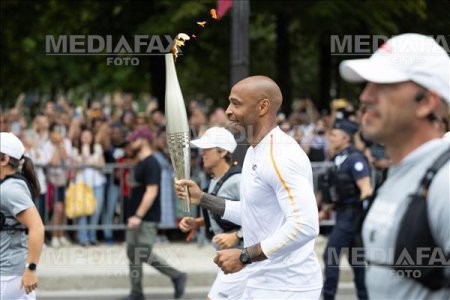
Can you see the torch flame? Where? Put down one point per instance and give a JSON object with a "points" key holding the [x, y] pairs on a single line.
{"points": [[201, 24], [213, 13], [180, 39]]}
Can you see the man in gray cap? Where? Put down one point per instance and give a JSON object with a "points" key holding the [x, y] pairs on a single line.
{"points": [[408, 84]]}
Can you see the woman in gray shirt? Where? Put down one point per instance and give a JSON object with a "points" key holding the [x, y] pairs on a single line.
{"points": [[19, 217]]}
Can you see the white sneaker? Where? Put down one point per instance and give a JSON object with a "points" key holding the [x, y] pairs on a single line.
{"points": [[64, 241], [55, 243]]}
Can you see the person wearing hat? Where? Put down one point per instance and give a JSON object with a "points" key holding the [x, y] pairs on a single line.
{"points": [[406, 233], [277, 208], [349, 184], [217, 146], [143, 213], [19, 253]]}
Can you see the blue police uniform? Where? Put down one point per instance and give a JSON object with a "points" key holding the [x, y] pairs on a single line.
{"points": [[350, 166]]}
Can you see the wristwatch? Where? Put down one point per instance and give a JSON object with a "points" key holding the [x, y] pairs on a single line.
{"points": [[244, 257], [31, 266]]}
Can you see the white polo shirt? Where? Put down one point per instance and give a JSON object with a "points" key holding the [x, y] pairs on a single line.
{"points": [[278, 209]]}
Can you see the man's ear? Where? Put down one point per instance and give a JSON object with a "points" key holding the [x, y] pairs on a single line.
{"points": [[264, 106], [223, 153], [427, 105]]}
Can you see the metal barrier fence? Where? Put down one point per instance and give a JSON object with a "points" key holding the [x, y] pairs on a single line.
{"points": [[58, 181], [110, 212]]}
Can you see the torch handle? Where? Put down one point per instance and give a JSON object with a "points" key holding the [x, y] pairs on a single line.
{"points": [[186, 201]]}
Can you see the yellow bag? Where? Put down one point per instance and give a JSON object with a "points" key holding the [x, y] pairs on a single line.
{"points": [[80, 200]]}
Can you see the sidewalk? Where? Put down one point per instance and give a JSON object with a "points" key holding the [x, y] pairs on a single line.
{"points": [[107, 266], [102, 267]]}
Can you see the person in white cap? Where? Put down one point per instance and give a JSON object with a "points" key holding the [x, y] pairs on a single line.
{"points": [[278, 210], [408, 86], [217, 145], [19, 256]]}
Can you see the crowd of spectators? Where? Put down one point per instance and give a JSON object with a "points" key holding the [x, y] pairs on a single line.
{"points": [[89, 142]]}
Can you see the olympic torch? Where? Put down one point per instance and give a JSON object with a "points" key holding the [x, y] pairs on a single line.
{"points": [[177, 127]]}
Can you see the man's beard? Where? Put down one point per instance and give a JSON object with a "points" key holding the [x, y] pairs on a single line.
{"points": [[239, 132], [135, 152]]}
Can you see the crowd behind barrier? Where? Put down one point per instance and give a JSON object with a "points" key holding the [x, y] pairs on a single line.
{"points": [[80, 195], [85, 150]]}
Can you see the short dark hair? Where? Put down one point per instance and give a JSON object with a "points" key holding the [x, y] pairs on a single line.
{"points": [[53, 127], [28, 172], [227, 157]]}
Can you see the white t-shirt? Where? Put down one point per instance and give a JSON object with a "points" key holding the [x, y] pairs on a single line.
{"points": [[91, 176], [279, 210]]}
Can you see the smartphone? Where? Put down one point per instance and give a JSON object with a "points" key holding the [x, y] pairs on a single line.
{"points": [[16, 128]]}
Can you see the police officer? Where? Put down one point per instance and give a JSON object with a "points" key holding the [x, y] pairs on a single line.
{"points": [[349, 183]]}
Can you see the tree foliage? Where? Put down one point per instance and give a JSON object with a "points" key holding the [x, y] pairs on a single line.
{"points": [[204, 67]]}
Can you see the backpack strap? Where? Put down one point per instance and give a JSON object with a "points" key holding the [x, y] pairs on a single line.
{"points": [[16, 227], [415, 232], [224, 224], [425, 183], [20, 177], [231, 171]]}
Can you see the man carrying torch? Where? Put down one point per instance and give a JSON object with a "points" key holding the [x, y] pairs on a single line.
{"points": [[277, 211]]}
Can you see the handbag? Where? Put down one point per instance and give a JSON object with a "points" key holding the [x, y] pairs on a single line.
{"points": [[80, 200]]}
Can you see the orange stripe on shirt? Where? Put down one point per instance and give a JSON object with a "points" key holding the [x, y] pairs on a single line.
{"points": [[291, 198]]}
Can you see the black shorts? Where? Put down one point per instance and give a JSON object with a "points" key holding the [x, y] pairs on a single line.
{"points": [[60, 193], [56, 193]]}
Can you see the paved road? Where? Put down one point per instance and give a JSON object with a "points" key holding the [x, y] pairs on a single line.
{"points": [[346, 292]]}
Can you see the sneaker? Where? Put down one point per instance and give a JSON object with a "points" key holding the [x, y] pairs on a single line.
{"points": [[55, 243], [179, 284], [162, 239], [134, 296], [64, 241]]}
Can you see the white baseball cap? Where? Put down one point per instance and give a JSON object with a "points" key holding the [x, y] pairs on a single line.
{"points": [[216, 137], [406, 57], [11, 145]]}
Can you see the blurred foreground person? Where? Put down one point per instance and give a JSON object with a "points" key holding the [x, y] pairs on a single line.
{"points": [[406, 233], [21, 228]]}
